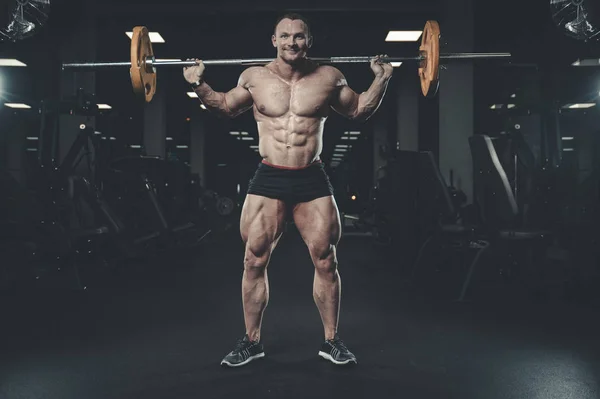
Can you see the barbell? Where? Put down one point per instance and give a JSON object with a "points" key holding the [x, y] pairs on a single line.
{"points": [[143, 64]]}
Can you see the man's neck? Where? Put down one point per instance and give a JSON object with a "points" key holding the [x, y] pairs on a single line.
{"points": [[292, 72]]}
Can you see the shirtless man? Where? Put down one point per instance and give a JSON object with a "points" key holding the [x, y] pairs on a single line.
{"points": [[291, 99]]}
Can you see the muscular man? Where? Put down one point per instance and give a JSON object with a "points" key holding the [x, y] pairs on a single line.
{"points": [[291, 99]]}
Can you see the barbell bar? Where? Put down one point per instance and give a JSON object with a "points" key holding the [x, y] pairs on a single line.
{"points": [[143, 64], [151, 61]]}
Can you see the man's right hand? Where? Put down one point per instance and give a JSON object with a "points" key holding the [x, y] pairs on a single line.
{"points": [[194, 74]]}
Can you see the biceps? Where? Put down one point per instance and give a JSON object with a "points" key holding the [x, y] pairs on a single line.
{"points": [[238, 100], [346, 102]]}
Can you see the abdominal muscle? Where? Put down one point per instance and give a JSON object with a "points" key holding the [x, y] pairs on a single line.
{"points": [[290, 140]]}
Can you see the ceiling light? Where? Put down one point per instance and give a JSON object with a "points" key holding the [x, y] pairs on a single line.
{"points": [[568, 138], [587, 62], [17, 105], [579, 105], [11, 62], [104, 106], [568, 149], [403, 35], [155, 37], [234, 133]]}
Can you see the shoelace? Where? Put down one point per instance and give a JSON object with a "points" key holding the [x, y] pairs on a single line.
{"points": [[339, 344], [241, 344]]}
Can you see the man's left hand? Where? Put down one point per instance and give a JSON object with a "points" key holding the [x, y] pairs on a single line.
{"points": [[380, 68]]}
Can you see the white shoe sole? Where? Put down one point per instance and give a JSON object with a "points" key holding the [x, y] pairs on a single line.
{"points": [[327, 356], [226, 363]]}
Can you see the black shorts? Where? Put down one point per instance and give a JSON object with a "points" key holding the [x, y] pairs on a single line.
{"points": [[291, 185]]}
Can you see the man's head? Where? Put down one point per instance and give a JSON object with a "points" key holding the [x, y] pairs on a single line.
{"points": [[292, 37]]}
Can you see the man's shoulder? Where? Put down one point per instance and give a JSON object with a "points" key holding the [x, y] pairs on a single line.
{"points": [[253, 71], [333, 73], [249, 74], [329, 70]]}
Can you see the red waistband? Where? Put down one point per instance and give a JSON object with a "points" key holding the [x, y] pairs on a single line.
{"points": [[291, 167]]}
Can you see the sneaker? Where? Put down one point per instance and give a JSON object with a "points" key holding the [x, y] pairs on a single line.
{"points": [[245, 351], [336, 352]]}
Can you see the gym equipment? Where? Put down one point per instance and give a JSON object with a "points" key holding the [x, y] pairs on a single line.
{"points": [[579, 19], [143, 64], [501, 218], [23, 18], [449, 245]]}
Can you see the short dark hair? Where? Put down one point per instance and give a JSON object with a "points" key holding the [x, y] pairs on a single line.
{"points": [[293, 16]]}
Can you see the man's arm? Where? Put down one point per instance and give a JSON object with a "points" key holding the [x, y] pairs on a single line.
{"points": [[362, 106], [231, 104]]}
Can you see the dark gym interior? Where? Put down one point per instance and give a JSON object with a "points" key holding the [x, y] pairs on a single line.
{"points": [[469, 255]]}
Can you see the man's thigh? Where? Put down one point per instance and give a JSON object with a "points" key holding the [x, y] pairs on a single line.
{"points": [[318, 221]]}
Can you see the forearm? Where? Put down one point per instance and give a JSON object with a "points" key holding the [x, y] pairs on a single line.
{"points": [[214, 101], [369, 101]]}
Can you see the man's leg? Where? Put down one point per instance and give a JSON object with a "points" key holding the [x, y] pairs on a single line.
{"points": [[261, 226], [318, 222]]}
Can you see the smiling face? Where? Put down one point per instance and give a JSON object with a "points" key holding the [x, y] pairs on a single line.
{"points": [[292, 40]]}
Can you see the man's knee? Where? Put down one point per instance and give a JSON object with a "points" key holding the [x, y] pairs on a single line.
{"points": [[324, 258], [256, 256]]}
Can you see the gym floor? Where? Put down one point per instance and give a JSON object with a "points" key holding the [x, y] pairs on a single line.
{"points": [[159, 330]]}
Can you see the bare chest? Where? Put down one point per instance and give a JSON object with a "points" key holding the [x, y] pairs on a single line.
{"points": [[309, 96]]}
